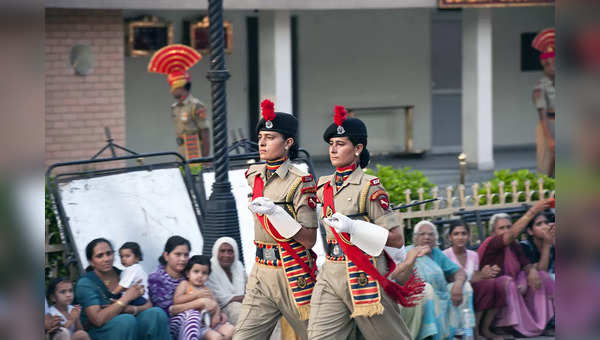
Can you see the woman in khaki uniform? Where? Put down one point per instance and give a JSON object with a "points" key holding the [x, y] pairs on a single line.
{"points": [[352, 286], [285, 223]]}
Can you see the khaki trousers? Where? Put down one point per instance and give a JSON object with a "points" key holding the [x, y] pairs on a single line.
{"points": [[331, 307]]}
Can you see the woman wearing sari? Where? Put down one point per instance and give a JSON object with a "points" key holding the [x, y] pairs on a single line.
{"points": [[108, 316], [488, 290], [443, 309], [529, 293]]}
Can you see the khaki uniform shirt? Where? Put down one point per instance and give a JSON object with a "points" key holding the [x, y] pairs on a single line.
{"points": [[347, 199], [544, 94], [186, 116], [277, 187], [347, 202]]}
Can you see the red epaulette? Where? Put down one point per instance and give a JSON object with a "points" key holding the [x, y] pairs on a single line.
{"points": [[309, 190], [307, 179], [375, 181], [312, 201]]}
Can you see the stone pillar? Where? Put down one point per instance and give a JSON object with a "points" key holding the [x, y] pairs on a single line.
{"points": [[477, 138]]}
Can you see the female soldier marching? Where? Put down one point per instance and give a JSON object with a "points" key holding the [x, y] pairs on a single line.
{"points": [[352, 286], [283, 202]]}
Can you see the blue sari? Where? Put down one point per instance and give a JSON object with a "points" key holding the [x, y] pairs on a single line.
{"points": [[149, 324], [441, 319]]}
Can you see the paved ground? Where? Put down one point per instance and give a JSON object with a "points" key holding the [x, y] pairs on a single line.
{"points": [[443, 169]]}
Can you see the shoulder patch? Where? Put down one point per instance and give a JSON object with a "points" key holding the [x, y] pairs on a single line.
{"points": [[307, 179], [375, 181], [382, 198]]}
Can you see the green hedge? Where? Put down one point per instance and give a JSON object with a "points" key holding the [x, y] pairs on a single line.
{"points": [[396, 181], [508, 176]]}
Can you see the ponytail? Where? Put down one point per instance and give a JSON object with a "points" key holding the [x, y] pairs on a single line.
{"points": [[292, 153], [365, 156]]}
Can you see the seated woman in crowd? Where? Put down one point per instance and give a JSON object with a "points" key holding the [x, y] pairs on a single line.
{"points": [[405, 262], [108, 316], [529, 293], [228, 278], [539, 246], [185, 320], [452, 292], [488, 291]]}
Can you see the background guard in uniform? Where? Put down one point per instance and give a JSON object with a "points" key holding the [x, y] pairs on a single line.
{"points": [[188, 112], [544, 95], [285, 224], [352, 286]]}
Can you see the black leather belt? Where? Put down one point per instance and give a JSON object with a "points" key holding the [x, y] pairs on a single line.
{"points": [[551, 115], [268, 254]]}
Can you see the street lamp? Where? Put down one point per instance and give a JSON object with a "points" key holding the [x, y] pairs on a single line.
{"points": [[220, 217]]}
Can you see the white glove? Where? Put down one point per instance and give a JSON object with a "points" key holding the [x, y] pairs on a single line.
{"points": [[285, 224], [369, 237], [341, 223], [397, 254], [262, 206]]}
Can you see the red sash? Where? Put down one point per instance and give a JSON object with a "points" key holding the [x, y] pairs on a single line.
{"points": [[257, 191], [406, 295]]}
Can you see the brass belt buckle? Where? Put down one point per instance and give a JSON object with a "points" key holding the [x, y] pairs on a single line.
{"points": [[269, 254]]}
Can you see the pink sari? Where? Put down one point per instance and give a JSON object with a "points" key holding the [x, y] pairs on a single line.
{"points": [[528, 311]]}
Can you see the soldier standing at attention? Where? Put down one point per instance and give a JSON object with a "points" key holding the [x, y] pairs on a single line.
{"points": [[544, 95], [285, 225], [188, 112], [352, 286]]}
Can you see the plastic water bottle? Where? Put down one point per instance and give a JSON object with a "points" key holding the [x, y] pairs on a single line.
{"points": [[467, 331], [206, 319]]}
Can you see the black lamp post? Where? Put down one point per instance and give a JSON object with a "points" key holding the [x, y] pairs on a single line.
{"points": [[221, 214]]}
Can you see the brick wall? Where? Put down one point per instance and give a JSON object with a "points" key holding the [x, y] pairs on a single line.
{"points": [[79, 107]]}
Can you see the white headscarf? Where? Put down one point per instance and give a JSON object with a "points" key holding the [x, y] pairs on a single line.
{"points": [[218, 280]]}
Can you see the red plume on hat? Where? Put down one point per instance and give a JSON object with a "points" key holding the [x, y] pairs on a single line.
{"points": [[339, 115], [268, 110]]}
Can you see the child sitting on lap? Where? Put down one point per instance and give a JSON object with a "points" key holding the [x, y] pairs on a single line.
{"points": [[196, 272], [131, 255]]}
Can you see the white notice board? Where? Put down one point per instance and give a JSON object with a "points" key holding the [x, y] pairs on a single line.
{"points": [[143, 206]]}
